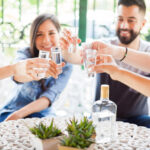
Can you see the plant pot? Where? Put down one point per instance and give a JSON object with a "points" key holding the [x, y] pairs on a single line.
{"points": [[60, 147], [47, 144], [93, 136], [50, 144]]}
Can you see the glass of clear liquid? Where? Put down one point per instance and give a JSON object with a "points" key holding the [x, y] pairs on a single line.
{"points": [[89, 60], [56, 56], [73, 46], [43, 54], [71, 33]]}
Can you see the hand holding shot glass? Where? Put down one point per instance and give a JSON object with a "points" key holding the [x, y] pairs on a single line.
{"points": [[105, 63], [71, 41], [89, 58], [50, 70]]}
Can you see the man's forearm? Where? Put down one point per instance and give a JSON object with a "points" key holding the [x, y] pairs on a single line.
{"points": [[134, 58], [133, 80]]}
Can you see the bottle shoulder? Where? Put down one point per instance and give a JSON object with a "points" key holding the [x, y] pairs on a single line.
{"points": [[105, 101], [102, 105]]}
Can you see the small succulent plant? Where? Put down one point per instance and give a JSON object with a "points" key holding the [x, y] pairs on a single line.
{"points": [[85, 127], [79, 134], [45, 132], [76, 141]]}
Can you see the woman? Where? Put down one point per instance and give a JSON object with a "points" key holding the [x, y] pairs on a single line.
{"points": [[34, 97]]}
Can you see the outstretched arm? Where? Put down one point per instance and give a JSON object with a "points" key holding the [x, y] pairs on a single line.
{"points": [[135, 58], [7, 71], [105, 63], [28, 69], [66, 40], [35, 106]]}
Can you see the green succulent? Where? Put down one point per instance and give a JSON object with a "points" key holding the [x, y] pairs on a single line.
{"points": [[85, 127], [76, 141], [79, 134], [72, 126], [45, 132]]}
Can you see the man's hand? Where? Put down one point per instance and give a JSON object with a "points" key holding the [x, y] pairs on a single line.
{"points": [[105, 63]]}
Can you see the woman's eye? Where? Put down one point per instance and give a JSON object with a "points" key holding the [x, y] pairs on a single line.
{"points": [[51, 33], [39, 35], [120, 19]]}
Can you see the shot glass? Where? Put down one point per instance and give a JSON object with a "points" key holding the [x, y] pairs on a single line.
{"points": [[73, 47], [89, 60], [73, 34], [57, 57], [42, 54]]}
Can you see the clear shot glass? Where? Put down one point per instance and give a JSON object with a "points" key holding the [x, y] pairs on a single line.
{"points": [[43, 54], [56, 56], [73, 47], [89, 60]]}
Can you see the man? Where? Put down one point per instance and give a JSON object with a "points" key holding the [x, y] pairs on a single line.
{"points": [[132, 106]]}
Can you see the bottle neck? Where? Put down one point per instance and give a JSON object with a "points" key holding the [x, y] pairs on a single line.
{"points": [[105, 92], [106, 99]]}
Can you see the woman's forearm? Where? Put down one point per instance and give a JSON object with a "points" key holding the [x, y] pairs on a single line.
{"points": [[22, 78], [133, 80], [73, 58], [36, 106], [6, 71]]}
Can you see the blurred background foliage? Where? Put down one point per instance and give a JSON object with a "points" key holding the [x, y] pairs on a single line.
{"points": [[15, 19], [17, 15]]}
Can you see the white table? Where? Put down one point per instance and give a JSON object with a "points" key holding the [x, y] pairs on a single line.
{"points": [[15, 135]]}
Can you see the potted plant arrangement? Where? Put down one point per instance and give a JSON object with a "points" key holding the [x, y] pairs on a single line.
{"points": [[79, 135], [49, 135]]}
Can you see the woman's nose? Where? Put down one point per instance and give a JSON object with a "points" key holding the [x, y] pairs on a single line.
{"points": [[46, 39]]}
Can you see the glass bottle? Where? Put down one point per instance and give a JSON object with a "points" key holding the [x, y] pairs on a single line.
{"points": [[104, 117]]}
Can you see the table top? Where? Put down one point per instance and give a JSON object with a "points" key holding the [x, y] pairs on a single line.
{"points": [[16, 135]]}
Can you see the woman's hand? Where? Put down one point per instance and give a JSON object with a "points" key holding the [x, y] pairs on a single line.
{"points": [[33, 107], [28, 70], [46, 67], [66, 39], [13, 116]]}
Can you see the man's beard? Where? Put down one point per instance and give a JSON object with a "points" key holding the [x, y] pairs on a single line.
{"points": [[126, 40]]}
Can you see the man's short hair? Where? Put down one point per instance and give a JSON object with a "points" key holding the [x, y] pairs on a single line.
{"points": [[139, 3]]}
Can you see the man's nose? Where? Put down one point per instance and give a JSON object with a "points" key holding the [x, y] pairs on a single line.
{"points": [[124, 25]]}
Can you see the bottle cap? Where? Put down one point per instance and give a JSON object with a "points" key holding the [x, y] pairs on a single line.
{"points": [[105, 91]]}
